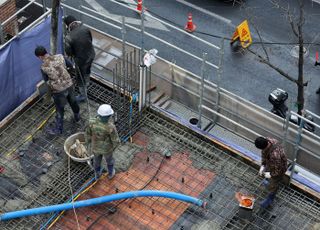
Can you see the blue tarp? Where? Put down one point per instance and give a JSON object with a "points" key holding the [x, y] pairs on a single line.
{"points": [[20, 68]]}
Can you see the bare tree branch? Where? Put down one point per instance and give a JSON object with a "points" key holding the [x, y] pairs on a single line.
{"points": [[267, 62], [250, 17], [288, 13]]}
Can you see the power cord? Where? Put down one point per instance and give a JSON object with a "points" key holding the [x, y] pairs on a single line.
{"points": [[122, 201], [71, 191]]}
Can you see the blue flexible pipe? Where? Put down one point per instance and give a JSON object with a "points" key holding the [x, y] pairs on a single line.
{"points": [[101, 200], [70, 200]]}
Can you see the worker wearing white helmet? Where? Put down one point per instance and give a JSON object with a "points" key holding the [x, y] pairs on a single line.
{"points": [[102, 135]]}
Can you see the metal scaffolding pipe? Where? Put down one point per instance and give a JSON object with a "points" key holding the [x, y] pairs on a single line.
{"points": [[101, 200]]}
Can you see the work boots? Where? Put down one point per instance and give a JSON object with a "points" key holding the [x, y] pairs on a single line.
{"points": [[268, 201], [97, 173], [111, 172], [82, 94], [76, 117], [265, 182], [58, 128]]}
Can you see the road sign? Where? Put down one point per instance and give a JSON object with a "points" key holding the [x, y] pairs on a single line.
{"points": [[243, 34]]}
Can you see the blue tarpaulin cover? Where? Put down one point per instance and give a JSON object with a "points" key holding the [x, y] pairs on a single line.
{"points": [[20, 68]]}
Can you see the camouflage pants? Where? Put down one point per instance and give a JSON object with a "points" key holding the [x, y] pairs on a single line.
{"points": [[274, 183], [98, 159]]}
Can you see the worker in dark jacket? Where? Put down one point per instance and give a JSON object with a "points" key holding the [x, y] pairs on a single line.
{"points": [[273, 166], [55, 74], [102, 138], [78, 44]]}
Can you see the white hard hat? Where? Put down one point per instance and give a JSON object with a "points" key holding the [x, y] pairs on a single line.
{"points": [[105, 110]]}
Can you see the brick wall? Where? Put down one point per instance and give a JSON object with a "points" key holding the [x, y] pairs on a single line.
{"points": [[8, 8]]}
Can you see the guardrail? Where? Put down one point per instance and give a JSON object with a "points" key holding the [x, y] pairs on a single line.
{"points": [[14, 17], [223, 108]]}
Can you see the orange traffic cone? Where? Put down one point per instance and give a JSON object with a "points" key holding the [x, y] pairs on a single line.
{"points": [[139, 6], [190, 27]]}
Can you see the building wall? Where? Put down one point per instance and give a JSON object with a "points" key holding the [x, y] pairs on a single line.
{"points": [[8, 8]]}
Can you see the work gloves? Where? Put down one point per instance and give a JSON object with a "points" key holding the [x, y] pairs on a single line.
{"points": [[267, 175], [263, 173]]}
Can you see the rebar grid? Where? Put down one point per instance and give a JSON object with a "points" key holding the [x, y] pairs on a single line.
{"points": [[222, 212], [240, 176], [14, 134], [34, 180]]}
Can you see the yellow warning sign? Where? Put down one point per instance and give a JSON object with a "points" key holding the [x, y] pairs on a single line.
{"points": [[243, 34]]}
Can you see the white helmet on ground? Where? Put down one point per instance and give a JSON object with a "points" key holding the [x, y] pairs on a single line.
{"points": [[105, 110]]}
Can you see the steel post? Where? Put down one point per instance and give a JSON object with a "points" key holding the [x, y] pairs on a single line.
{"points": [[296, 149], [1, 34], [219, 80], [44, 6], [123, 35], [201, 89], [142, 87], [142, 74], [286, 128]]}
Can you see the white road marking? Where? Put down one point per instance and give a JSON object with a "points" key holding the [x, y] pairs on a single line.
{"points": [[316, 1], [174, 27], [217, 16], [151, 23]]}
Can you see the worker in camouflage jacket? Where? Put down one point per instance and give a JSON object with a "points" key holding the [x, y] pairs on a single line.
{"points": [[102, 138], [78, 45], [60, 85], [273, 166]]}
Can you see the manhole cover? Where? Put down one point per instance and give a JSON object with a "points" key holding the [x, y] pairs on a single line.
{"points": [[295, 51]]}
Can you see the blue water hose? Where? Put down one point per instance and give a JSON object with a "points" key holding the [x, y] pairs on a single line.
{"points": [[101, 200], [70, 200]]}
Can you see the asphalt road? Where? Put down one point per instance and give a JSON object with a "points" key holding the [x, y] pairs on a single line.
{"points": [[242, 74]]}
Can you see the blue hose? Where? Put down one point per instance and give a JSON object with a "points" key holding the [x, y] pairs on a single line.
{"points": [[70, 200], [101, 200]]}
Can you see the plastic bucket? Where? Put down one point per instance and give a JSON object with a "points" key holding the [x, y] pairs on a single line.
{"points": [[70, 141]]}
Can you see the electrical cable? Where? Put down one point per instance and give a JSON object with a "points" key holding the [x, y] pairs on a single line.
{"points": [[84, 84], [71, 191], [122, 201]]}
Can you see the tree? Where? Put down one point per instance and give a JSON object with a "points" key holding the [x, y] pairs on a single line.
{"points": [[54, 26], [296, 24]]}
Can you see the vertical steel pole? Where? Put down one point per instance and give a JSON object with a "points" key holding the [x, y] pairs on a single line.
{"points": [[217, 105], [123, 33], [286, 128], [201, 89], [1, 35], [142, 85], [296, 149], [80, 9], [44, 6]]}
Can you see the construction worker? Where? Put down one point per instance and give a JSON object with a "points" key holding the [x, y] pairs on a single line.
{"points": [[60, 85], [273, 166], [102, 138], [78, 45]]}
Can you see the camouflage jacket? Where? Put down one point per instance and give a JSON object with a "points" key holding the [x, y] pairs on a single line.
{"points": [[55, 73], [274, 158], [103, 137]]}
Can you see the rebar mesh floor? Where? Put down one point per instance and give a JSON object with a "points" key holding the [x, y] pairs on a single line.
{"points": [[196, 168], [36, 174], [34, 170]]}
